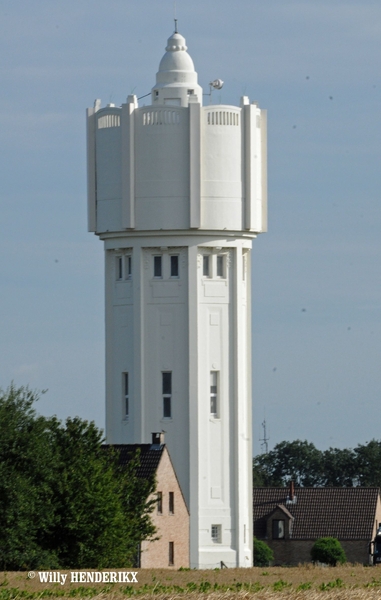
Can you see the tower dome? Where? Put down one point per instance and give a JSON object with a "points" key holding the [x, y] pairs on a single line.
{"points": [[176, 79]]}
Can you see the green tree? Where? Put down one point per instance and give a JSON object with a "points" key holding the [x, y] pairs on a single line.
{"points": [[368, 464], [339, 468], [263, 555], [64, 502], [27, 464], [103, 525], [328, 550], [299, 461]]}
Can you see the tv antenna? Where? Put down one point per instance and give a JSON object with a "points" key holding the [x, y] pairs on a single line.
{"points": [[265, 439]]}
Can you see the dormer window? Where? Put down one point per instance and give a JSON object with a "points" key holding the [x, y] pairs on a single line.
{"points": [[278, 529], [156, 93]]}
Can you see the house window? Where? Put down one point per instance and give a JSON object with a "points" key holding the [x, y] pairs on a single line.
{"points": [[205, 266], [126, 396], [216, 534], [175, 265], [128, 267], [214, 393], [167, 394], [157, 266], [278, 529], [220, 266], [159, 503], [171, 503], [171, 553]]}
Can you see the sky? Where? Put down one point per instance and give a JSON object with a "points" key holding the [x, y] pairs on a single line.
{"points": [[315, 66]]}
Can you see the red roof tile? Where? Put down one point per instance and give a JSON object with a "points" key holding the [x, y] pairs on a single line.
{"points": [[344, 513]]}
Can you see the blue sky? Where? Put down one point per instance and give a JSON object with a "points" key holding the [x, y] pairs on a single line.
{"points": [[315, 65]]}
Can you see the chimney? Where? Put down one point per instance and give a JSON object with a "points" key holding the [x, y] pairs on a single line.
{"points": [[158, 438], [292, 491]]}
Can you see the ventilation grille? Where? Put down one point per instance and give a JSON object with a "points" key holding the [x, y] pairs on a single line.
{"points": [[222, 117], [108, 121], [161, 117]]}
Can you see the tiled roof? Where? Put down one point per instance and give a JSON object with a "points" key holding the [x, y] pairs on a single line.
{"points": [[150, 456], [344, 513]]}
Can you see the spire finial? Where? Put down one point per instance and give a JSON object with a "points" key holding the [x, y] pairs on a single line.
{"points": [[176, 26]]}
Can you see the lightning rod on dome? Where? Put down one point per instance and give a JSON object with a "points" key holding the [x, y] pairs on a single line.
{"points": [[175, 14]]}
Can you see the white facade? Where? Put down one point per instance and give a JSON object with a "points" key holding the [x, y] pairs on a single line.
{"points": [[177, 192]]}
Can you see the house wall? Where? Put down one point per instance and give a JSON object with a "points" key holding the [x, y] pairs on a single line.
{"points": [[170, 527], [377, 517]]}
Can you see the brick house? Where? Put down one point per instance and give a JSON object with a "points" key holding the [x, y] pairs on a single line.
{"points": [[170, 516], [291, 519]]}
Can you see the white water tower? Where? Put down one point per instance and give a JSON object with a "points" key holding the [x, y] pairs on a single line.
{"points": [[177, 193]]}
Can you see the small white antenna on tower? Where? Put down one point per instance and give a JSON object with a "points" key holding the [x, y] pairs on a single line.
{"points": [[265, 439]]}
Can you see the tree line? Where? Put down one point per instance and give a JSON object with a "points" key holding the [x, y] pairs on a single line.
{"points": [[64, 501], [301, 462]]}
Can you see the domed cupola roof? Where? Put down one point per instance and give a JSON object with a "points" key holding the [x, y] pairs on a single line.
{"points": [[176, 58], [176, 77]]}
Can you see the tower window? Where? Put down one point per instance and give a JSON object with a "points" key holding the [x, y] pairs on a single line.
{"points": [[171, 503], [128, 267], [167, 394], [175, 265], [126, 396], [119, 268], [216, 533], [157, 266], [159, 503], [214, 393], [171, 553], [220, 266], [205, 266]]}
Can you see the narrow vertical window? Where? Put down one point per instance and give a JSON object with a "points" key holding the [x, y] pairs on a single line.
{"points": [[157, 266], [216, 534], [171, 553], [205, 266], [167, 394], [159, 503], [171, 503], [214, 393], [128, 267], [119, 267], [126, 396], [174, 266], [220, 266]]}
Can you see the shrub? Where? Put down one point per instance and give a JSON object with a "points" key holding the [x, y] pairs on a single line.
{"points": [[263, 554], [328, 550]]}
